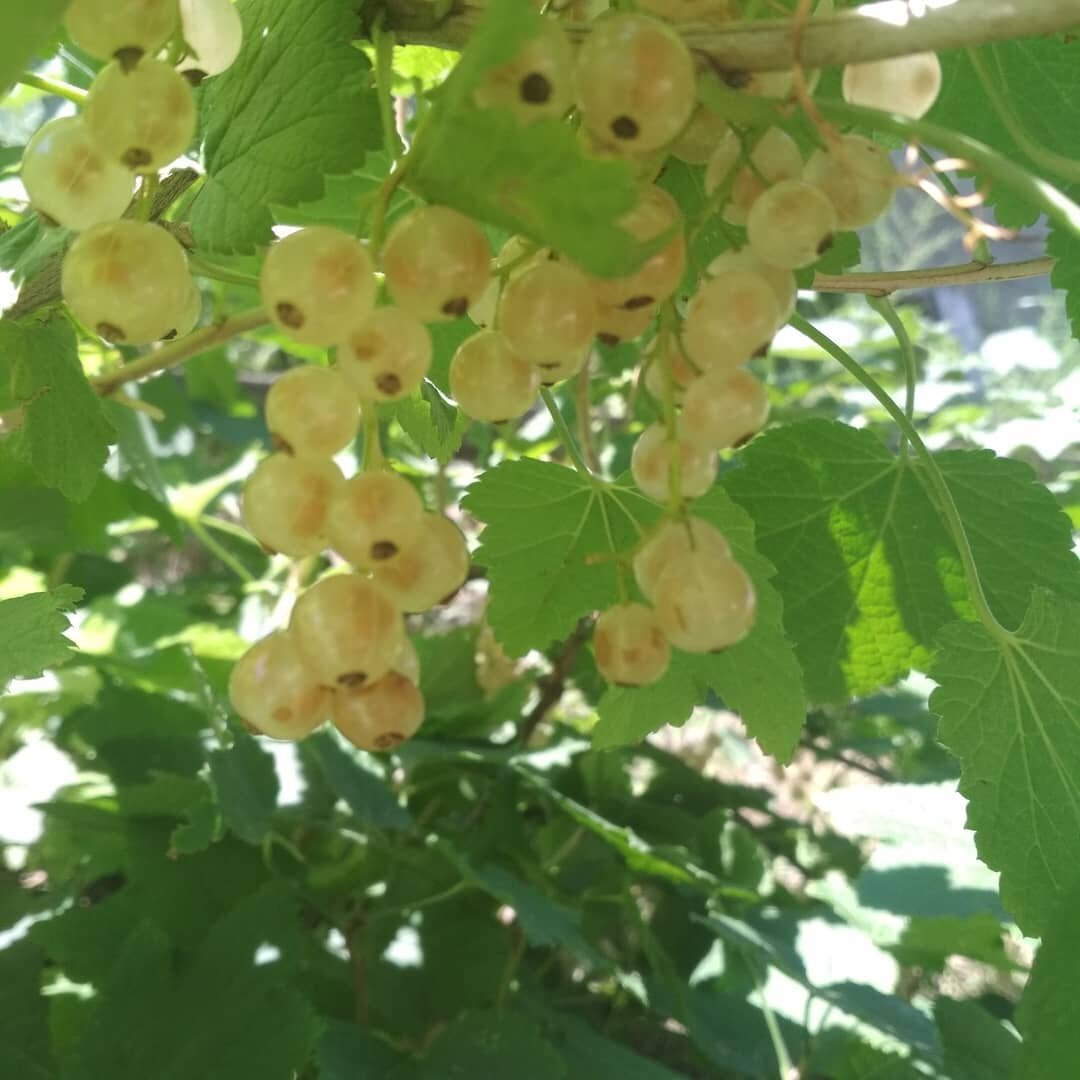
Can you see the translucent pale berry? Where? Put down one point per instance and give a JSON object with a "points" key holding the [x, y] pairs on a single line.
{"points": [[705, 603], [317, 284], [724, 409], [699, 139], [730, 317], [857, 176], [636, 82], [273, 690], [127, 280], [791, 225], [549, 314], [374, 518], [407, 662], [908, 85], [672, 541], [128, 28], [141, 117], [429, 572], [348, 629], [286, 500], [782, 281], [313, 411], [655, 215], [379, 716], [682, 371], [490, 380], [776, 157], [214, 33], [514, 258], [537, 83], [437, 263], [650, 464], [387, 356], [630, 647], [617, 324], [556, 372], [189, 317], [494, 669], [69, 180]]}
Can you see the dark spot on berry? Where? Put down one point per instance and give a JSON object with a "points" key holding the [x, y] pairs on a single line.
{"points": [[278, 443], [825, 244], [738, 444], [637, 302], [383, 549], [449, 596], [737, 80], [608, 339], [351, 680], [289, 314], [267, 550], [128, 57], [506, 421], [456, 307], [388, 740], [388, 383], [718, 652], [169, 336], [762, 350], [110, 332], [194, 76], [625, 127], [536, 88], [48, 222], [137, 157]]}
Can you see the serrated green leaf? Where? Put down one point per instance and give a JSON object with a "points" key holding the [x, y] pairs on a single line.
{"points": [[1009, 711], [65, 435], [345, 1047], [977, 1046], [351, 778], [534, 179], [484, 1044], [24, 30], [32, 632], [928, 942], [297, 105], [436, 425], [759, 678], [246, 784], [866, 569]]}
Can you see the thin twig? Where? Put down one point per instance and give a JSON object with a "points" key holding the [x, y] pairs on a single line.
{"points": [[551, 687], [973, 273]]}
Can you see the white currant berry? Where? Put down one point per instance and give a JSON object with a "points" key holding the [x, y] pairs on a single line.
{"points": [[272, 689], [515, 257], [724, 409], [672, 541], [636, 82], [775, 157], [782, 281], [650, 465], [387, 356], [69, 180], [429, 572], [407, 662], [702, 135], [437, 263], [313, 411], [141, 117], [188, 319], [704, 603], [549, 314], [683, 372], [908, 85], [127, 280], [791, 225], [381, 715], [374, 517], [554, 372], [317, 284], [286, 502], [616, 325], [691, 10], [730, 318], [123, 29], [857, 176], [348, 629], [214, 33], [490, 380], [630, 646], [537, 83]]}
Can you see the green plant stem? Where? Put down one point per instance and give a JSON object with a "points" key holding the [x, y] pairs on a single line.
{"points": [[973, 273], [776, 1036], [53, 86], [220, 552], [227, 528], [377, 230], [373, 452], [883, 306], [169, 356], [947, 505], [205, 268], [669, 319], [566, 436], [383, 40], [144, 200]]}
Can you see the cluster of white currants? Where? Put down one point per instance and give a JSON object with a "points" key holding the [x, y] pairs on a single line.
{"points": [[127, 279]]}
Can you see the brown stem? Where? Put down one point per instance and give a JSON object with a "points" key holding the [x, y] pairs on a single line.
{"points": [[974, 273], [551, 686]]}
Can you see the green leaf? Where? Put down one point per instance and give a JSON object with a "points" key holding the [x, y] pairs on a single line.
{"points": [[866, 569], [1009, 710], [24, 1015], [759, 678], [346, 1048], [297, 105], [24, 30], [65, 435], [484, 1044], [352, 777], [436, 425], [246, 784], [928, 942], [534, 180], [977, 1046], [32, 632]]}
